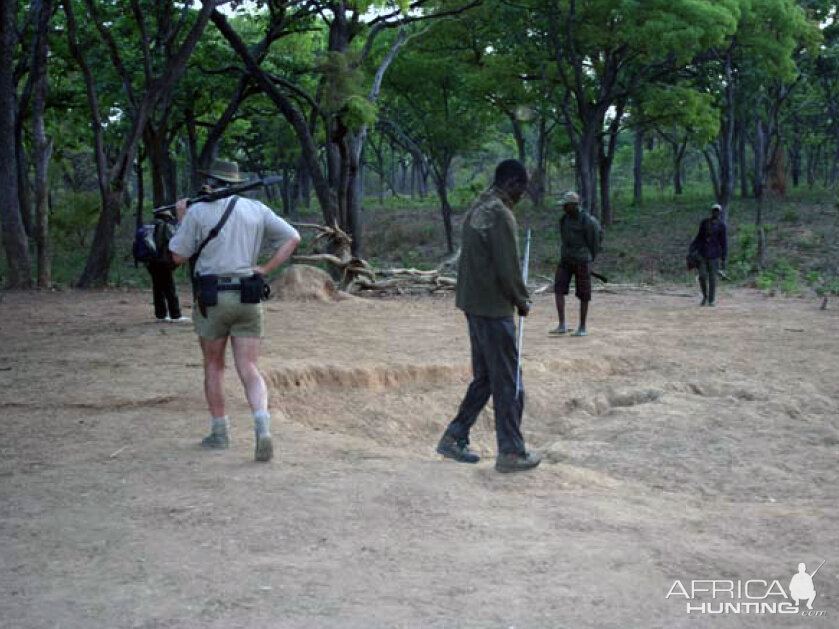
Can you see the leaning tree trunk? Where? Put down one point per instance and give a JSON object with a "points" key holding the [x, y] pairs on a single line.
{"points": [[101, 250], [441, 181]]}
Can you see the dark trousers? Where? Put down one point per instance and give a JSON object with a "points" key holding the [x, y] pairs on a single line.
{"points": [[493, 373], [708, 269], [165, 292]]}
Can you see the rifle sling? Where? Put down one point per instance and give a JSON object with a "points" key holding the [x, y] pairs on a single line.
{"points": [[193, 259]]}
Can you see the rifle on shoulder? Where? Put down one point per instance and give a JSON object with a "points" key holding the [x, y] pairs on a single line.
{"points": [[223, 193]]}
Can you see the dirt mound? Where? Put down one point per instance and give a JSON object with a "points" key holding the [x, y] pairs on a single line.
{"points": [[301, 282]]}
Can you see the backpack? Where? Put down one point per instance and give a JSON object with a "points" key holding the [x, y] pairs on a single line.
{"points": [[164, 229], [151, 242], [144, 248]]}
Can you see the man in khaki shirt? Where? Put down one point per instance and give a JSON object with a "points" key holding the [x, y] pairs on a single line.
{"points": [[226, 260]]}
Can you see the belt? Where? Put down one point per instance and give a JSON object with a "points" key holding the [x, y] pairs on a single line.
{"points": [[228, 283]]}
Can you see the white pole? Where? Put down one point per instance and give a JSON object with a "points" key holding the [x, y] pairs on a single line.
{"points": [[524, 270]]}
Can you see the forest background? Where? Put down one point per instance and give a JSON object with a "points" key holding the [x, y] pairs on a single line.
{"points": [[387, 118]]}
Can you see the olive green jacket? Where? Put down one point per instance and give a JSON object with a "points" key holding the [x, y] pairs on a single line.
{"points": [[489, 282], [580, 237]]}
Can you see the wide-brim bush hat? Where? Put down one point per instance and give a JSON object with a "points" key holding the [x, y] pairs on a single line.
{"points": [[224, 171]]}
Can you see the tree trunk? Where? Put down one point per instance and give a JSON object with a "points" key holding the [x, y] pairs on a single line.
{"points": [[587, 169], [42, 145], [518, 136], [43, 152], [813, 159], [678, 159], [138, 167], [14, 237], [112, 179], [638, 167], [759, 178], [537, 187], [24, 199], [607, 149], [726, 155], [742, 163], [712, 172], [308, 149], [355, 190], [441, 180], [795, 153]]}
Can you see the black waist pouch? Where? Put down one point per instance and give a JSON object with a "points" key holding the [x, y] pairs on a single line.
{"points": [[254, 289], [208, 290]]}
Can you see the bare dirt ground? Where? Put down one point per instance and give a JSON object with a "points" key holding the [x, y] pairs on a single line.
{"points": [[680, 443]]}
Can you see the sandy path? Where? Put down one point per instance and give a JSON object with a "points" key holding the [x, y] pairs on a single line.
{"points": [[681, 443]]}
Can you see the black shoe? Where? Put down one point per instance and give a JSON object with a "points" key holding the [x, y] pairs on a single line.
{"points": [[457, 449], [517, 462]]}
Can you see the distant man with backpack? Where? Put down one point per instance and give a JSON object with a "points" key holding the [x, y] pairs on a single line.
{"points": [[580, 240], [490, 290], [167, 307], [228, 290], [711, 245]]}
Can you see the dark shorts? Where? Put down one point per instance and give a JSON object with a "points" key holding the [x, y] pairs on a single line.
{"points": [[582, 279]]}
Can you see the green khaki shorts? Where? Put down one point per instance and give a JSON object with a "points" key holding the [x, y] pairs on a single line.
{"points": [[229, 318]]}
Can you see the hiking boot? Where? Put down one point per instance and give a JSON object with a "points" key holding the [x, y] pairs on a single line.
{"points": [[517, 462], [457, 450], [264, 449], [216, 441]]}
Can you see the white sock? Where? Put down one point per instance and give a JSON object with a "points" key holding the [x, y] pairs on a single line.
{"points": [[220, 425], [262, 423]]}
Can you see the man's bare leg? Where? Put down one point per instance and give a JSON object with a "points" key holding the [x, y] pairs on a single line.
{"points": [[246, 355], [583, 314], [213, 351], [559, 298]]}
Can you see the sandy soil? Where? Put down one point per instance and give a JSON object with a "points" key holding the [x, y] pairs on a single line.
{"points": [[680, 443]]}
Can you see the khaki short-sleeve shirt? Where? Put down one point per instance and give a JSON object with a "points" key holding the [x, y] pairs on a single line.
{"points": [[235, 250]]}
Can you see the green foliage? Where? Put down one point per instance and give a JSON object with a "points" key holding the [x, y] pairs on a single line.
{"points": [[358, 112], [781, 276], [74, 216]]}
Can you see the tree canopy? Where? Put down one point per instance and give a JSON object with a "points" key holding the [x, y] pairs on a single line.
{"points": [[131, 100]]}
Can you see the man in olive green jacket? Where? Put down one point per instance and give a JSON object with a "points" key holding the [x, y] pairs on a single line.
{"points": [[490, 291], [580, 235]]}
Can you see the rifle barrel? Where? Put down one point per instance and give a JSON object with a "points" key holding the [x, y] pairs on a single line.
{"points": [[223, 192], [817, 569]]}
